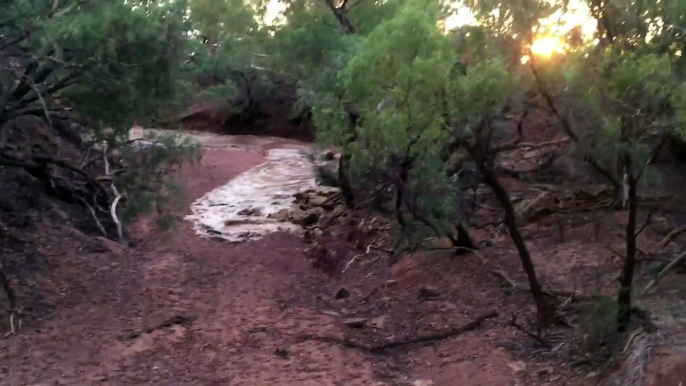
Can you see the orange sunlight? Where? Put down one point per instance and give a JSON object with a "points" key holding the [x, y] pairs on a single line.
{"points": [[547, 46]]}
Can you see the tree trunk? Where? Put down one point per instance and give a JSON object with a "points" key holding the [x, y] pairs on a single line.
{"points": [[627, 277], [341, 14], [463, 240], [543, 308], [344, 180]]}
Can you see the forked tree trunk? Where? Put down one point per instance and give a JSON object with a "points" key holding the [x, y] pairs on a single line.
{"points": [[542, 305]]}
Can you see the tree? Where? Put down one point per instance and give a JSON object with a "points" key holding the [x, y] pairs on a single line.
{"points": [[90, 70], [410, 62], [629, 87]]}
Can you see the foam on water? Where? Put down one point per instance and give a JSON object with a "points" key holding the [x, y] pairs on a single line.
{"points": [[255, 194]]}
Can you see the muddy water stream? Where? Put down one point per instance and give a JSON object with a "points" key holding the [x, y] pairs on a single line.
{"points": [[240, 209]]}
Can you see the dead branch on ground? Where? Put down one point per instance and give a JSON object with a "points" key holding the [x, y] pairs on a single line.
{"points": [[423, 340], [677, 260], [671, 236]]}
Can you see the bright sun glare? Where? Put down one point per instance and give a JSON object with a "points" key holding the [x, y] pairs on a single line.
{"points": [[546, 46]]}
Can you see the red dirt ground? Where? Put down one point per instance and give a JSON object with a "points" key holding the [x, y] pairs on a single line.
{"points": [[240, 309], [243, 298]]}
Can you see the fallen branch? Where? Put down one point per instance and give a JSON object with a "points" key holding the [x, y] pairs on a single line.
{"points": [[396, 344], [672, 235], [677, 260], [351, 262], [502, 275]]}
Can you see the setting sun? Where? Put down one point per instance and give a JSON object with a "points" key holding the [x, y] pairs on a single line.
{"points": [[547, 46]]}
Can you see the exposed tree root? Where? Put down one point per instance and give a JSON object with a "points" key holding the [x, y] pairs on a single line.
{"points": [[426, 339], [117, 197]]}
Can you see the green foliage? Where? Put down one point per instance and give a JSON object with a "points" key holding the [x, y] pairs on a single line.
{"points": [[126, 57], [109, 64], [147, 182], [598, 321]]}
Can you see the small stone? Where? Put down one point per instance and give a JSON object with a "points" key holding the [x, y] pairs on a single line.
{"points": [[342, 294], [355, 322], [545, 371], [517, 366], [378, 322], [319, 201], [281, 353], [429, 292], [280, 216], [250, 212], [391, 283], [257, 329], [306, 218], [326, 191], [338, 210]]}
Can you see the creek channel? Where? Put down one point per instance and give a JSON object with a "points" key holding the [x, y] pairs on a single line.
{"points": [[241, 209]]}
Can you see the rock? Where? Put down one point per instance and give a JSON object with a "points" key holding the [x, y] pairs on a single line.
{"points": [[331, 313], [593, 194], [545, 371], [531, 210], [342, 294], [301, 197], [281, 353], [378, 322], [355, 322], [319, 201], [256, 329], [391, 283], [429, 292], [307, 218], [661, 226], [517, 366], [326, 191], [250, 212], [338, 210], [281, 216]]}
